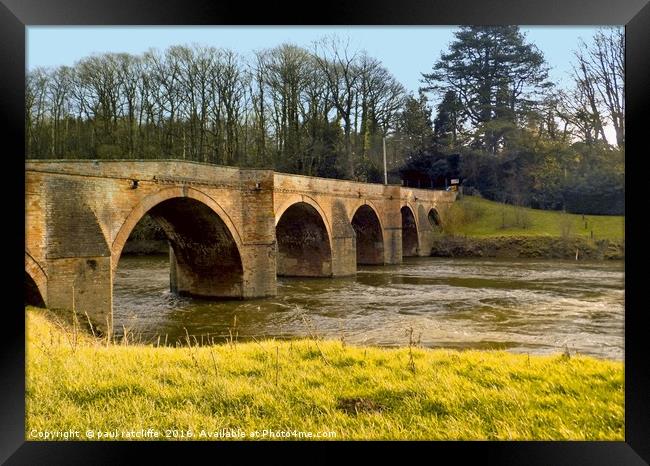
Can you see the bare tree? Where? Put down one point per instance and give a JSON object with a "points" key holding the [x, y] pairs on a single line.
{"points": [[286, 78], [381, 98], [602, 64], [258, 72], [338, 65], [35, 110], [598, 97]]}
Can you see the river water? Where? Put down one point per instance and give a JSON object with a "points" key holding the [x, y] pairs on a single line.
{"points": [[533, 306]]}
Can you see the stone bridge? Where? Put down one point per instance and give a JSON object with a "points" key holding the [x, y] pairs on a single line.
{"points": [[231, 231]]}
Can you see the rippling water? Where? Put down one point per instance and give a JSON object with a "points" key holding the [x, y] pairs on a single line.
{"points": [[536, 306]]}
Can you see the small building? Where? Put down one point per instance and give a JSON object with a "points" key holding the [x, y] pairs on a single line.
{"points": [[431, 171]]}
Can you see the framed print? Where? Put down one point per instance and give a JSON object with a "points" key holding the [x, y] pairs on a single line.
{"points": [[393, 227]]}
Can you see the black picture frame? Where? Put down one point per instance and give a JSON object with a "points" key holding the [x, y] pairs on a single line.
{"points": [[16, 15]]}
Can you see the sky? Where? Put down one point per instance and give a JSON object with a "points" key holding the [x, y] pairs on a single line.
{"points": [[406, 51]]}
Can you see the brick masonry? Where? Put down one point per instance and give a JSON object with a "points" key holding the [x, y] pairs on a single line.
{"points": [[231, 230]]}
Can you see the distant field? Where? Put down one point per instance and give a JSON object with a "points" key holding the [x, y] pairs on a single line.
{"points": [[482, 217], [77, 382]]}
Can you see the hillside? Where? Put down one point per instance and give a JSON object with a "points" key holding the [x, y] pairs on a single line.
{"points": [[477, 217]]}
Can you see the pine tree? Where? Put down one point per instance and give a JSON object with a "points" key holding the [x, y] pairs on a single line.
{"points": [[495, 75], [414, 124], [448, 122]]}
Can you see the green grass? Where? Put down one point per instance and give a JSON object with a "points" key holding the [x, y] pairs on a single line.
{"points": [[77, 382], [484, 218]]}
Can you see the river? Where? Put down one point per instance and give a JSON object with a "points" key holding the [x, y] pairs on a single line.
{"points": [[524, 306]]}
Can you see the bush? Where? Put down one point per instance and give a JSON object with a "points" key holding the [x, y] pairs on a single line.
{"points": [[598, 199], [459, 214]]}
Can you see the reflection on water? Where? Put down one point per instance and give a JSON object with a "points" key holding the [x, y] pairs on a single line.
{"points": [[522, 305]]}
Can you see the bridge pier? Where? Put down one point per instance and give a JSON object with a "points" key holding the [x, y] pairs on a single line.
{"points": [[393, 245], [85, 286], [186, 279], [259, 270], [344, 247], [344, 255], [392, 226]]}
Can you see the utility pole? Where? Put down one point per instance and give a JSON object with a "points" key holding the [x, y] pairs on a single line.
{"points": [[385, 172]]}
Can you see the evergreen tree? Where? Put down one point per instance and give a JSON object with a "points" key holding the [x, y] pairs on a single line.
{"points": [[414, 123], [448, 122], [495, 74]]}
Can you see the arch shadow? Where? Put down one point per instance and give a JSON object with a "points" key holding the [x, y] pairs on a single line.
{"points": [[35, 283], [303, 242], [369, 236], [434, 219], [410, 238]]}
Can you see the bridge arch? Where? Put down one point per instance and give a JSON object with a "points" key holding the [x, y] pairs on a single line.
{"points": [[303, 240], [152, 200], [410, 236], [301, 198], [35, 282], [434, 219], [369, 235], [205, 246], [370, 204]]}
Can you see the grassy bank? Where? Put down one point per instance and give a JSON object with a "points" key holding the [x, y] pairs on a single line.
{"points": [[531, 247], [476, 227], [77, 382], [477, 217]]}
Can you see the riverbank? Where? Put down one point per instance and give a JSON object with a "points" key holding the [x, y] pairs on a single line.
{"points": [[79, 382], [541, 247], [476, 227], [476, 217]]}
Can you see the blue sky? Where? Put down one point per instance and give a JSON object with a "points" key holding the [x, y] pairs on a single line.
{"points": [[406, 51]]}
